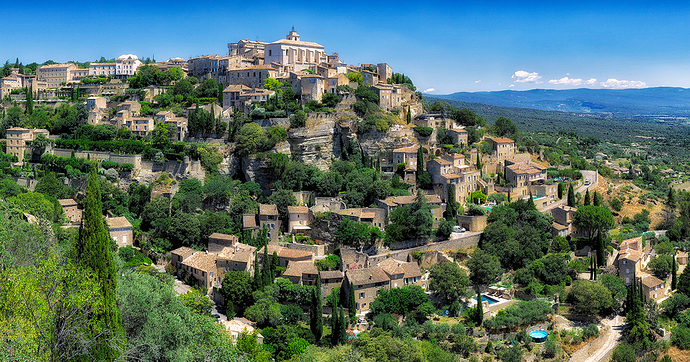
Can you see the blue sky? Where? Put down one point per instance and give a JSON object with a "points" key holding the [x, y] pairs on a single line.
{"points": [[444, 47]]}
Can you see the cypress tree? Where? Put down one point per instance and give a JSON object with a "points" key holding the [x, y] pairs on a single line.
{"points": [[479, 165], [587, 199], [479, 312], [561, 188], [596, 200], [451, 205], [257, 275], [674, 271], [342, 334], [274, 267], [316, 322], [29, 101], [353, 305], [420, 162], [335, 325], [530, 202], [94, 253], [342, 297], [409, 115], [571, 196]]}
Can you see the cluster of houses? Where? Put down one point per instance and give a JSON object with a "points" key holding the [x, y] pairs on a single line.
{"points": [[206, 269]]}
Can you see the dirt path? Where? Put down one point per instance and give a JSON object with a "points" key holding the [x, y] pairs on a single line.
{"points": [[611, 341]]}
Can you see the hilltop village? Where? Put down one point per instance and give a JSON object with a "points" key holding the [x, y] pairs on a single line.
{"points": [[277, 203]]}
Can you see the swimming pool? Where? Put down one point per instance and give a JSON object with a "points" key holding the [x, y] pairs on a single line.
{"points": [[538, 335], [489, 299]]}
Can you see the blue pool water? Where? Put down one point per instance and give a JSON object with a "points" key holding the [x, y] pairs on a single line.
{"points": [[489, 299], [538, 335]]}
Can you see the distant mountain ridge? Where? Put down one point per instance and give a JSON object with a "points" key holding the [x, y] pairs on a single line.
{"points": [[657, 101]]}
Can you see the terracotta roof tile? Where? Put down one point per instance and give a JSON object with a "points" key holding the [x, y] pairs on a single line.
{"points": [[265, 209], [118, 222], [298, 210], [201, 261], [652, 281], [501, 140], [67, 202], [331, 274], [297, 268], [287, 253], [367, 276]]}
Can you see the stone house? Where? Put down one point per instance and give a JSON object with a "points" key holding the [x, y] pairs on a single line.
{"points": [[121, 231], [629, 265], [401, 273], [390, 95], [332, 82], [301, 272], [459, 136], [18, 141], [202, 266], [451, 171], [55, 74], [294, 52], [503, 148], [299, 219], [140, 126], [312, 87], [406, 155], [374, 217], [393, 202], [330, 279], [179, 255], [71, 209], [132, 106], [367, 283], [286, 255], [353, 259], [653, 288], [563, 217], [682, 257], [266, 218]]}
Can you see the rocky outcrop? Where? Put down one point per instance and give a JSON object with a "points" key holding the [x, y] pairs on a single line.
{"points": [[317, 143]]}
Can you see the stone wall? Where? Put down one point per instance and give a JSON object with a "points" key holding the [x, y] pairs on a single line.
{"points": [[455, 244], [26, 182], [317, 250], [99, 155]]}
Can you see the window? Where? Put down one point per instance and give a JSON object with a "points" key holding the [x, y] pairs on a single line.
{"points": [[361, 295]]}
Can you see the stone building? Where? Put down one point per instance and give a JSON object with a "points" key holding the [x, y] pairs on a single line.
{"points": [[126, 65], [299, 219], [71, 210], [367, 283], [653, 288], [503, 148], [295, 53], [121, 231], [266, 218], [18, 141], [102, 68], [55, 74]]}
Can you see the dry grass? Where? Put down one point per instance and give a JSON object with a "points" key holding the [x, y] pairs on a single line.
{"points": [[676, 354], [623, 189]]}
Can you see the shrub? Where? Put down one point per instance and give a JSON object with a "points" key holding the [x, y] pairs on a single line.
{"points": [[424, 131], [109, 164], [126, 167]]}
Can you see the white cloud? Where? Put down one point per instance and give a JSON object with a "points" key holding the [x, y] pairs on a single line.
{"points": [[621, 84], [511, 86], [522, 76], [429, 90], [477, 81], [572, 81]]}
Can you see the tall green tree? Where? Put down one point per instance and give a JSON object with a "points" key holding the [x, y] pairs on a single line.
{"points": [[29, 101], [451, 205], [561, 188], [571, 196], [352, 303], [674, 271], [479, 312], [94, 252], [316, 311], [420, 161], [587, 198], [343, 327]]}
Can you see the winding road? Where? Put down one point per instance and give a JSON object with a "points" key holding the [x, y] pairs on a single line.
{"points": [[611, 341]]}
